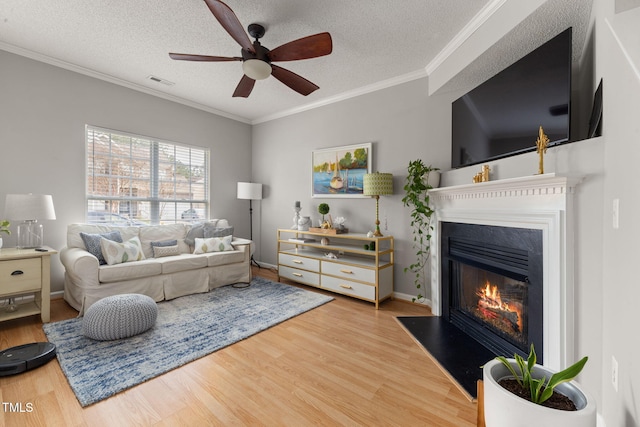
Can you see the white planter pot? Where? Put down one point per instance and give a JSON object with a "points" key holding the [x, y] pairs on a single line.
{"points": [[434, 179], [0, 242], [504, 409]]}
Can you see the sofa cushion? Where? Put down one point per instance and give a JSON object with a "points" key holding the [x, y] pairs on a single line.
{"points": [[75, 241], [118, 253], [163, 251], [92, 243], [182, 262], [129, 271], [198, 229], [210, 231], [223, 258], [161, 233], [213, 244]]}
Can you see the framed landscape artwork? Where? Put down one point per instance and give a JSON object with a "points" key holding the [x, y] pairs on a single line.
{"points": [[339, 171]]}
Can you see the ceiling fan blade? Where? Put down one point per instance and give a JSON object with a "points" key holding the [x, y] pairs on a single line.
{"points": [[245, 87], [294, 81], [190, 57], [230, 22], [304, 48]]}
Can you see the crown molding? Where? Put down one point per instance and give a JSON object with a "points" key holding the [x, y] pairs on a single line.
{"points": [[419, 74], [478, 21]]}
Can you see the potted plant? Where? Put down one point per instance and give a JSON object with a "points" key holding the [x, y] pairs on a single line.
{"points": [[417, 198], [519, 392], [323, 209], [4, 228]]}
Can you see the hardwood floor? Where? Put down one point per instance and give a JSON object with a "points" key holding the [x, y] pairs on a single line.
{"points": [[343, 363]]}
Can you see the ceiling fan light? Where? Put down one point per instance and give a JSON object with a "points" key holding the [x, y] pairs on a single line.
{"points": [[256, 69]]}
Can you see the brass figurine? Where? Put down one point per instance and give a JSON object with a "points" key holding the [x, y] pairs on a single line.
{"points": [[485, 173], [541, 143], [482, 176]]}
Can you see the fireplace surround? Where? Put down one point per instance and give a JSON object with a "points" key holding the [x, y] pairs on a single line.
{"points": [[492, 285], [541, 203]]}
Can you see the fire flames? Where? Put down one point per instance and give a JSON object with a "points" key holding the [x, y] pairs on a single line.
{"points": [[492, 307]]}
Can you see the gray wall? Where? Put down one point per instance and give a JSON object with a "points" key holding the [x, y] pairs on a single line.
{"points": [[618, 61], [402, 122], [43, 112], [405, 124]]}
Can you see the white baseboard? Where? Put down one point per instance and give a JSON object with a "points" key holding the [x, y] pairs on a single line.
{"points": [[267, 265], [409, 298]]}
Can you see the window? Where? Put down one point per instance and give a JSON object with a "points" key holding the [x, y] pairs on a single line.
{"points": [[135, 180]]}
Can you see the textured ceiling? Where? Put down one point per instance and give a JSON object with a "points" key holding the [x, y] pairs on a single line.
{"points": [[375, 43]]}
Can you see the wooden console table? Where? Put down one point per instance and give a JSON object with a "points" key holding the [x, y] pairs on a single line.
{"points": [[26, 271], [361, 273]]}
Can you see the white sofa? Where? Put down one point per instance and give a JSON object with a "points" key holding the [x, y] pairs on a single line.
{"points": [[161, 278]]}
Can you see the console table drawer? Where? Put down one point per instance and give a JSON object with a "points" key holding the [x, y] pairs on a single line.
{"points": [[299, 262], [348, 287], [20, 275], [349, 272], [301, 276]]}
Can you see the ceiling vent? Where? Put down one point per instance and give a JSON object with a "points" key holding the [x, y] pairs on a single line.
{"points": [[159, 80]]}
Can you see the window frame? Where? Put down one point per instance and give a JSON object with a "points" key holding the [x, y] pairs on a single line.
{"points": [[158, 160]]}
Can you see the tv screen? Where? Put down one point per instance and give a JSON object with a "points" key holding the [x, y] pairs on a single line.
{"points": [[501, 117]]}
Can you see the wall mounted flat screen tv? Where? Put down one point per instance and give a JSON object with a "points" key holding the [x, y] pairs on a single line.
{"points": [[501, 117]]}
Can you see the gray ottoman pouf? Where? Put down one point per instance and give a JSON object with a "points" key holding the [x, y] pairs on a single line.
{"points": [[119, 316]]}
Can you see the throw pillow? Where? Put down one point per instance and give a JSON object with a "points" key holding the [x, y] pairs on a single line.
{"points": [[92, 242], [196, 231], [160, 251], [117, 253], [155, 247], [210, 231], [213, 244]]}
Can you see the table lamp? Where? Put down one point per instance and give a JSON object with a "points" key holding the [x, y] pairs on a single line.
{"points": [[377, 184], [30, 208]]}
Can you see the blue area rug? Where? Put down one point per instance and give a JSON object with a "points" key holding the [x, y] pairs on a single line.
{"points": [[187, 328]]}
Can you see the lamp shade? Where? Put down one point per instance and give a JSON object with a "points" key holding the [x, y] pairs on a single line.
{"points": [[377, 184], [29, 207], [256, 69], [249, 190]]}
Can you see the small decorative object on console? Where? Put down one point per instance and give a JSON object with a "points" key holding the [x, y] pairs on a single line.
{"points": [[304, 223], [338, 223], [296, 217], [324, 241]]}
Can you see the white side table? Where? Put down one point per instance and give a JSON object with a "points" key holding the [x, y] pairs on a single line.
{"points": [[25, 271]]}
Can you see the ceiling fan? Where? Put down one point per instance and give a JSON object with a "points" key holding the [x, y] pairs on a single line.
{"points": [[257, 59]]}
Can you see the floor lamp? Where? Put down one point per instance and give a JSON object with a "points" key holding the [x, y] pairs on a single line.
{"points": [[250, 191]]}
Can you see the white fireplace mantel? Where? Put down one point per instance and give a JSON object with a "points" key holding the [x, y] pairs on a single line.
{"points": [[542, 202]]}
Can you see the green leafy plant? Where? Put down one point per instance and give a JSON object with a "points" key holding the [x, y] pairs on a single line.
{"points": [[323, 209], [540, 389], [4, 226], [417, 197]]}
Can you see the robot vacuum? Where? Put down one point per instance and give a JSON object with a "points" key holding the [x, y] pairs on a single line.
{"points": [[25, 357]]}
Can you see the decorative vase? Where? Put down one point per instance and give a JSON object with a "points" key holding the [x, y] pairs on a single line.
{"points": [[504, 409], [434, 179], [296, 217], [304, 223]]}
